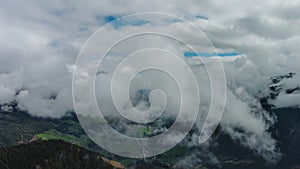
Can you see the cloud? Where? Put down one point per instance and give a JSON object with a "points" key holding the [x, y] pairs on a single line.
{"points": [[40, 41], [7, 95]]}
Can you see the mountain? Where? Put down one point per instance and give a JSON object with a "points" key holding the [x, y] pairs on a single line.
{"points": [[19, 129], [53, 154], [43, 142]]}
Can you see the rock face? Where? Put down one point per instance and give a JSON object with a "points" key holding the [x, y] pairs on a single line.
{"points": [[52, 155], [288, 134], [17, 127]]}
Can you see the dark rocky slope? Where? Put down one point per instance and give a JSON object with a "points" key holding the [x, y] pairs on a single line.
{"points": [[53, 154]]}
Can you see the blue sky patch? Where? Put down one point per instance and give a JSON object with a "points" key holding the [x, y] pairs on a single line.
{"points": [[124, 22], [205, 54], [174, 20], [110, 18], [201, 17]]}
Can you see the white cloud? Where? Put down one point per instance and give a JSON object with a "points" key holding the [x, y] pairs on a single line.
{"points": [[39, 39], [7, 95]]}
